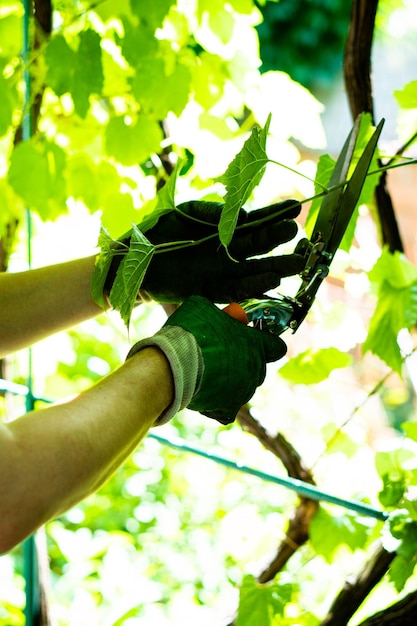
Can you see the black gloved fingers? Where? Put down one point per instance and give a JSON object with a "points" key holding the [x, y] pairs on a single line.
{"points": [[250, 242], [200, 211], [246, 287], [283, 265], [287, 209], [209, 212]]}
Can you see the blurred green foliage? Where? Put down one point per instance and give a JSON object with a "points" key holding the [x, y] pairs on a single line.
{"points": [[126, 85], [305, 38]]}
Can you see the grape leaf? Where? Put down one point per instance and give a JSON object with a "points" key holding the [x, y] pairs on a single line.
{"points": [[11, 32], [407, 97], [82, 180], [130, 274], [329, 531], [243, 174], [161, 87], [133, 144], [102, 266], [151, 13], [400, 571], [396, 281], [88, 71], [258, 604], [37, 174], [312, 366], [325, 167], [59, 59], [79, 73], [404, 530], [410, 429], [138, 42], [392, 491], [8, 100], [132, 269]]}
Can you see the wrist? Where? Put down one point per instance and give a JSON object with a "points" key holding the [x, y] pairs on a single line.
{"points": [[181, 352], [158, 373]]}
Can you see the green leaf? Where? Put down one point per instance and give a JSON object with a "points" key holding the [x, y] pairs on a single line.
{"points": [[88, 71], [407, 97], [60, 59], [209, 77], [243, 174], [138, 42], [393, 462], [404, 530], [159, 91], [102, 266], [152, 14], [394, 269], [82, 180], [11, 31], [163, 203], [8, 101], [400, 571], [132, 144], [396, 281], [339, 441], [118, 210], [11, 211], [220, 19], [312, 366], [166, 195], [410, 429], [392, 491], [130, 274], [328, 532], [325, 167], [259, 604], [37, 174]]}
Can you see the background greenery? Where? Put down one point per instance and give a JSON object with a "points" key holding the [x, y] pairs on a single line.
{"points": [[120, 91]]}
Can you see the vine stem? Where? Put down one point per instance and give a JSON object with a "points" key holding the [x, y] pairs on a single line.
{"points": [[169, 246], [377, 387]]}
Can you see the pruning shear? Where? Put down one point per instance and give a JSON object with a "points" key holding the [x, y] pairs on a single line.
{"points": [[275, 315]]}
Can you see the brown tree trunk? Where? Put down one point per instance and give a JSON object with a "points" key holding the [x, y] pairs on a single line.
{"points": [[402, 613], [298, 527], [355, 591], [357, 71]]}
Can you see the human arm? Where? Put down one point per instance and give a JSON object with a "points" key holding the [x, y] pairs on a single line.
{"points": [[53, 458], [39, 302]]}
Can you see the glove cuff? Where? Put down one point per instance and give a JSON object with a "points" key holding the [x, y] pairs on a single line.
{"points": [[186, 361]]}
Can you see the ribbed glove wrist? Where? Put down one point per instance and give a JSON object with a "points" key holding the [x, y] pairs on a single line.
{"points": [[186, 361]]}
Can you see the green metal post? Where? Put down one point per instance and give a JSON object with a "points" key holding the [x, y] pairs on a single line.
{"points": [[31, 564]]}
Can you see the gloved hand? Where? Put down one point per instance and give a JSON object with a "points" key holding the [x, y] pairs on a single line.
{"points": [[216, 361], [205, 269]]}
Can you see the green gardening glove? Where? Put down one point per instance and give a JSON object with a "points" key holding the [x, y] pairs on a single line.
{"points": [[216, 361], [206, 269]]}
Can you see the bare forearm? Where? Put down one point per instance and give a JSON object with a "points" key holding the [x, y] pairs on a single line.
{"points": [[40, 302], [52, 459]]}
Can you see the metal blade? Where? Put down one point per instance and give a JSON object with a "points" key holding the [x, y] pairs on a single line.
{"points": [[327, 213], [352, 192]]}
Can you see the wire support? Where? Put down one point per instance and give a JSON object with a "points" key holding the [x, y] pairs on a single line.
{"points": [[293, 484], [303, 489]]}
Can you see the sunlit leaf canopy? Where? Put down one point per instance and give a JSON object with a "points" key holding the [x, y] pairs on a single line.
{"points": [[129, 88]]}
